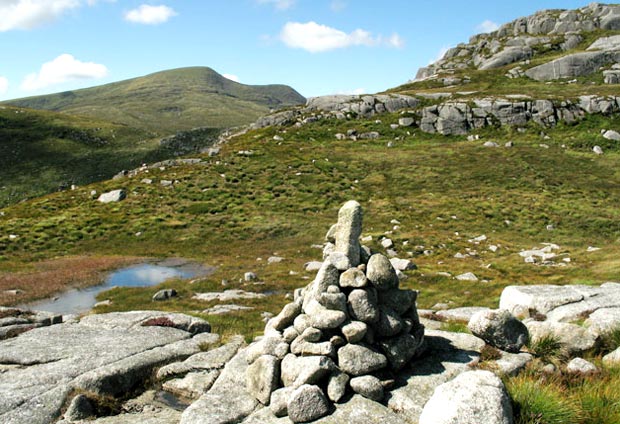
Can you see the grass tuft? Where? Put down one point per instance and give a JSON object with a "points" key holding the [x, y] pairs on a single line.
{"points": [[548, 348]]}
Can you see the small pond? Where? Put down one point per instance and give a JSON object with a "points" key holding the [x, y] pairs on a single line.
{"points": [[78, 301]]}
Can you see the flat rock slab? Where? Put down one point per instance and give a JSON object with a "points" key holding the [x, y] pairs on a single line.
{"points": [[228, 295], [462, 315], [109, 354], [227, 401], [560, 303], [447, 356]]}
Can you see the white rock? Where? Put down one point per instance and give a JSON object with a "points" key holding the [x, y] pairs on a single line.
{"points": [[612, 135], [468, 276], [112, 196], [581, 366], [473, 397], [387, 243]]}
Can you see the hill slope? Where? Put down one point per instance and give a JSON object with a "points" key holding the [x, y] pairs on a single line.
{"points": [[170, 101], [42, 152]]}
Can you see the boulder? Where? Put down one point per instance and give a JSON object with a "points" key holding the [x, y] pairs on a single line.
{"points": [[612, 359], [506, 57], [381, 273], [473, 397], [113, 196], [337, 386], [164, 294], [79, 409], [297, 371], [612, 135], [581, 366], [355, 331], [353, 278], [406, 122], [262, 378], [358, 360], [363, 305], [307, 403], [349, 229], [500, 329], [368, 386]]}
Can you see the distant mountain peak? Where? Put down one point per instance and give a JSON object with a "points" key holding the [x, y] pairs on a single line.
{"points": [[171, 100]]}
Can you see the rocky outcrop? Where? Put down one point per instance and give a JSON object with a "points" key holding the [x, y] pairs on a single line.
{"points": [[339, 107], [546, 31], [573, 65], [102, 355], [459, 118]]}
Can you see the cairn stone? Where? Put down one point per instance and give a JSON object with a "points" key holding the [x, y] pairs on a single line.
{"points": [[307, 403], [359, 360], [381, 273], [349, 230], [262, 378], [350, 326]]}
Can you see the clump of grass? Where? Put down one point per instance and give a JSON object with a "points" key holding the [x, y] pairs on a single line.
{"points": [[548, 348], [455, 327], [536, 401], [489, 353]]}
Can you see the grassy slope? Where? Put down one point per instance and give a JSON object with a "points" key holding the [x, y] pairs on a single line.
{"points": [[169, 101], [42, 152], [283, 199]]}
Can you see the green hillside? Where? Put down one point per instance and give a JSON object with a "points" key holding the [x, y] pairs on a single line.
{"points": [[170, 101], [43, 152]]}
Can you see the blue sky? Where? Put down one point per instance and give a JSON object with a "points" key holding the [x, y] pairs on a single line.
{"points": [[316, 46]]}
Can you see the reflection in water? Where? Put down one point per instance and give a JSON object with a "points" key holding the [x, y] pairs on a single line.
{"points": [[143, 275]]}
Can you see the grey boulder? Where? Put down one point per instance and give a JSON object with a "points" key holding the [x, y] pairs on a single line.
{"points": [[500, 329], [473, 397], [307, 403]]}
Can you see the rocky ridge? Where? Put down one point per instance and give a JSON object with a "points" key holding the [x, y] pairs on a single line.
{"points": [[452, 117], [528, 37]]}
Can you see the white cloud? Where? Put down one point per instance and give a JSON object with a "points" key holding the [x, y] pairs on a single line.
{"points": [[231, 77], [317, 38], [63, 69], [4, 85], [396, 41], [338, 5], [440, 55], [279, 4], [28, 14], [487, 26], [150, 15]]}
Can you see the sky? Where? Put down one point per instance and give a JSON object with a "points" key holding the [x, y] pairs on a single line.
{"points": [[318, 47]]}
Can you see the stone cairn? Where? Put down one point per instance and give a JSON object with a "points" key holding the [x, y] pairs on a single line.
{"points": [[347, 332]]}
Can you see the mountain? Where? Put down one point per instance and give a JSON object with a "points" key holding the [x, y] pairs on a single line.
{"points": [[170, 101]]}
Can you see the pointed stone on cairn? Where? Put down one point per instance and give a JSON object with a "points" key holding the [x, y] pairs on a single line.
{"points": [[346, 332]]}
